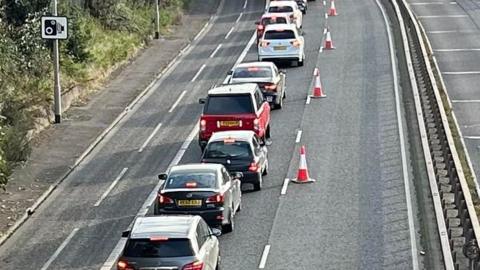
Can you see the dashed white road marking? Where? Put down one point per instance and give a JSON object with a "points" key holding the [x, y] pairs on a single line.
{"points": [[326, 15], [432, 3], [472, 137], [230, 32], [239, 17], [458, 50], [198, 72], [59, 249], [299, 136], [109, 189], [460, 72], [245, 5], [442, 16], [308, 100], [157, 128], [285, 186], [263, 260], [177, 101], [452, 32], [216, 50], [466, 101]]}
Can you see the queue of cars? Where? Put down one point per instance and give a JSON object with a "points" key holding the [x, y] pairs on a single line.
{"points": [[197, 202]]}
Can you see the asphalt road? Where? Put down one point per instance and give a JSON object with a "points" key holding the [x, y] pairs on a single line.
{"points": [[354, 217], [453, 28]]}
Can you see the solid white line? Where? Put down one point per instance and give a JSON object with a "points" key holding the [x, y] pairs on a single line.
{"points": [[263, 260], [198, 73], [229, 32], [245, 5], [299, 136], [150, 138], [406, 181], [441, 16], [460, 72], [326, 15], [324, 3], [457, 50], [472, 137], [245, 51], [452, 32], [285, 186], [466, 101], [178, 101], [59, 249], [109, 189], [201, 31], [432, 3], [308, 100], [215, 51], [325, 30], [239, 17]]}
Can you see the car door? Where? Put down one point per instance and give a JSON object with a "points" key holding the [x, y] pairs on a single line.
{"points": [[203, 244], [279, 80], [263, 110], [226, 187], [214, 248], [234, 188], [260, 151]]}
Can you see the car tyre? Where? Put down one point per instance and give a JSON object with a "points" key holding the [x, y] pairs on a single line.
{"points": [[279, 105], [239, 208], [258, 185], [230, 226]]}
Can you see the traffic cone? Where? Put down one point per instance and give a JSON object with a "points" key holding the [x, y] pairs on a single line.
{"points": [[317, 88], [333, 10], [328, 41], [302, 175]]}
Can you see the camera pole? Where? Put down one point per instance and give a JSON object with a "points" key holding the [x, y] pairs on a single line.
{"points": [[157, 20], [56, 71]]}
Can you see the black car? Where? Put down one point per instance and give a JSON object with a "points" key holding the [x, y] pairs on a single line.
{"points": [[239, 151], [207, 190]]}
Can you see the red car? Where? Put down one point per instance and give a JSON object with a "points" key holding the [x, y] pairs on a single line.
{"points": [[235, 107], [271, 18]]}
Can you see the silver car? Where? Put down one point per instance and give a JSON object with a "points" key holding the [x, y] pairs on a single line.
{"points": [[282, 42], [170, 242]]}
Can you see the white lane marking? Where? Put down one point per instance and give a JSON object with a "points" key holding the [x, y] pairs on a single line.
{"points": [[285, 186], [230, 32], [466, 101], [215, 51], [264, 258], [201, 31], [442, 16], [321, 49], [299, 136], [198, 72], [324, 3], [460, 72], [178, 101], [109, 189], [308, 100], [457, 50], [239, 17], [59, 249], [452, 32], [406, 181], [245, 5], [325, 30], [154, 132], [432, 3], [472, 137], [326, 15], [112, 258]]}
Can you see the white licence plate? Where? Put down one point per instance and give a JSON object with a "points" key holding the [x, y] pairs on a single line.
{"points": [[269, 98]]}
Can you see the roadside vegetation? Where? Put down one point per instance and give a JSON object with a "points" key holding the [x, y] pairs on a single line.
{"points": [[102, 35]]}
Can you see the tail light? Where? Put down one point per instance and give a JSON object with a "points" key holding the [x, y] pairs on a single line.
{"points": [[217, 198], [123, 265], [203, 125], [256, 124], [271, 87], [253, 167], [295, 43], [198, 265], [260, 27], [162, 199], [264, 44]]}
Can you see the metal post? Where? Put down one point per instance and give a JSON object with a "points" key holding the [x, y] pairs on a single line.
{"points": [[56, 71], [157, 20]]}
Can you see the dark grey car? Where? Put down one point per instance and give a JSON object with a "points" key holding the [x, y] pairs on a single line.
{"points": [[170, 243]]}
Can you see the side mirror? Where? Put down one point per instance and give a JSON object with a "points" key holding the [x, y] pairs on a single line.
{"points": [[125, 233], [202, 100], [236, 175], [216, 232], [230, 72], [162, 176]]}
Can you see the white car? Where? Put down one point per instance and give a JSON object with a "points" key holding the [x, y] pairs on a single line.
{"points": [[289, 7], [282, 42]]}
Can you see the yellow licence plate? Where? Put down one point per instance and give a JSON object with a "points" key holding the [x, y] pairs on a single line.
{"points": [[279, 48], [189, 202], [229, 123]]}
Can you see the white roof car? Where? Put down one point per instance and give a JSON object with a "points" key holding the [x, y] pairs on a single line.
{"points": [[289, 7]]}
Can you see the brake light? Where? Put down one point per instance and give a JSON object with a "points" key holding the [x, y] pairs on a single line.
{"points": [[123, 265], [203, 125], [256, 124], [272, 87], [217, 198], [191, 184], [295, 43], [259, 27], [158, 238], [264, 44], [198, 265], [253, 167], [162, 199]]}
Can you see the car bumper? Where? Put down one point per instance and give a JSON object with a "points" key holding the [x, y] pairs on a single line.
{"points": [[279, 57], [210, 216], [250, 177], [272, 98]]}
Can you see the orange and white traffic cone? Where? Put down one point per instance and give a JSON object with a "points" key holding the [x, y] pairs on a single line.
{"points": [[333, 10], [317, 88], [302, 175], [328, 41]]}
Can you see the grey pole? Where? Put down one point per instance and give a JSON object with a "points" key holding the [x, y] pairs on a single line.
{"points": [[56, 71], [157, 20]]}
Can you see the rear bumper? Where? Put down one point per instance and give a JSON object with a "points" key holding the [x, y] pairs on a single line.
{"points": [[250, 177], [210, 216], [272, 97], [279, 57]]}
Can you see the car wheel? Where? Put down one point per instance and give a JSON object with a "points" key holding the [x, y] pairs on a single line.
{"points": [[239, 208], [228, 228], [300, 62], [258, 185], [279, 105], [218, 264]]}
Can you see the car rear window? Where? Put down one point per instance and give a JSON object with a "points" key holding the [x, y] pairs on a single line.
{"points": [[252, 72], [194, 180], [275, 34], [273, 20], [232, 150], [145, 248], [280, 9], [228, 104]]}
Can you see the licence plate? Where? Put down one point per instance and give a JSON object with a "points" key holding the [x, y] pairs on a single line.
{"points": [[189, 202], [279, 48], [229, 123], [269, 98]]}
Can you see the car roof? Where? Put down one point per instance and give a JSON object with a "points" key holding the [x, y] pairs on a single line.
{"points": [[275, 14], [171, 226], [280, 26], [255, 64], [242, 88], [197, 167], [282, 3], [241, 135]]}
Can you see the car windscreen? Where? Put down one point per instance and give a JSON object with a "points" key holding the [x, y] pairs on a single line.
{"points": [[274, 20], [231, 150], [191, 180], [252, 72], [280, 9], [228, 104], [276, 34], [146, 248]]}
